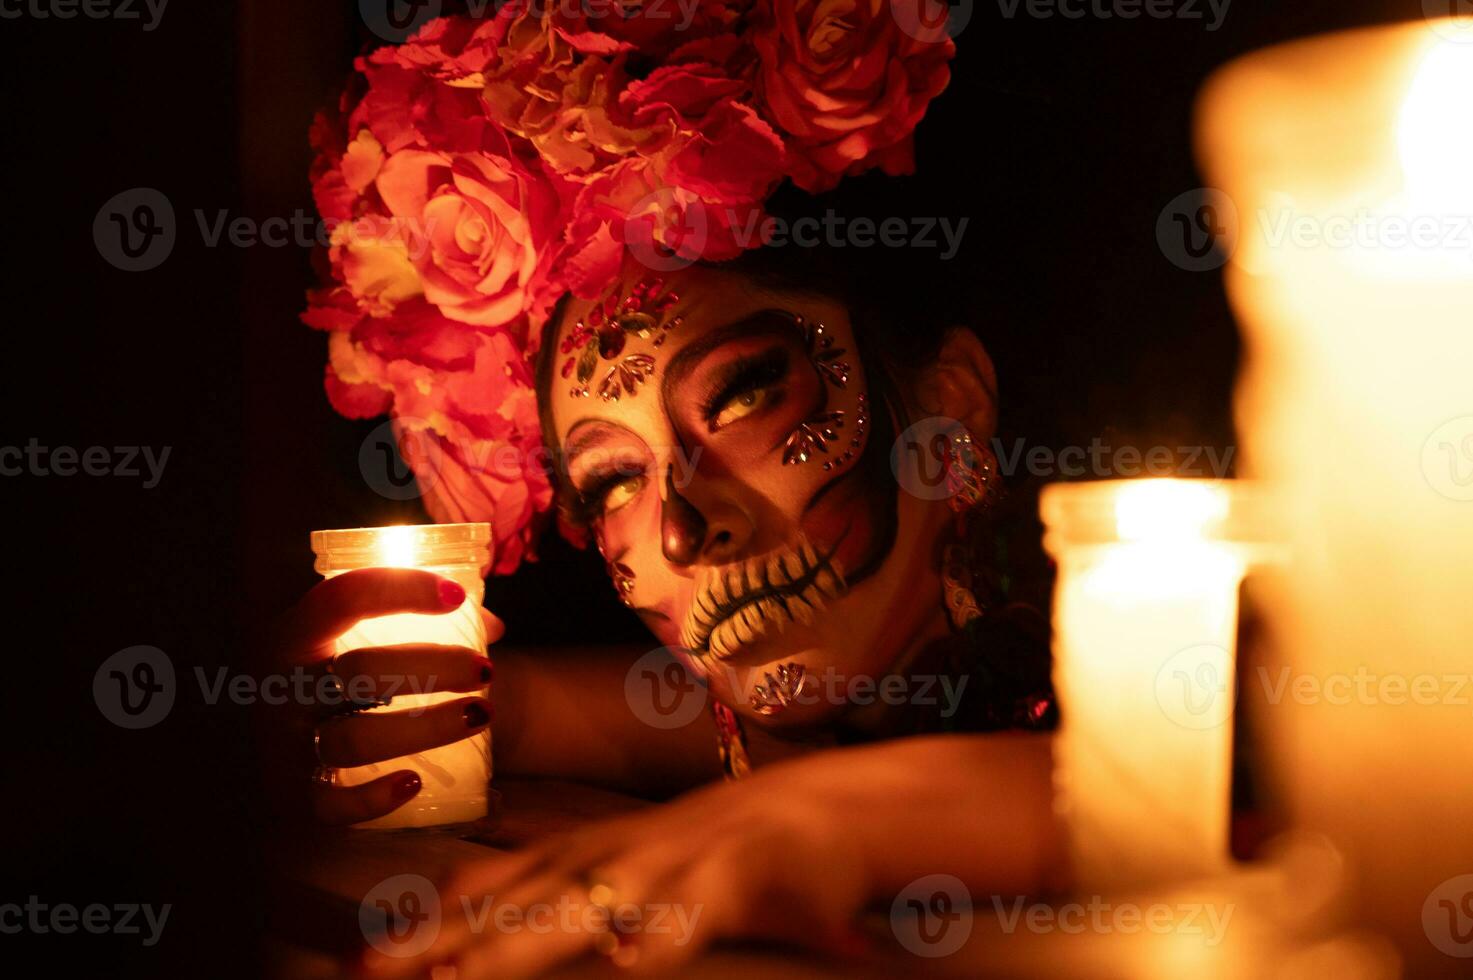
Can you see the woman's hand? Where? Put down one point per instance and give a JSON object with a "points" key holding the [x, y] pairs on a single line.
{"points": [[316, 728], [759, 859], [791, 854]]}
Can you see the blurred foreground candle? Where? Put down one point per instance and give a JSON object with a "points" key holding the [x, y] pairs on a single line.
{"points": [[1349, 158], [1145, 620], [455, 777]]}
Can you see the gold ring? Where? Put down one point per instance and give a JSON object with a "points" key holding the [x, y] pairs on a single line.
{"points": [[323, 774], [610, 942]]}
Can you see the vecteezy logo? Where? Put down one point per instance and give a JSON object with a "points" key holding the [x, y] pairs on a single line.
{"points": [[1447, 916], [920, 457], [1194, 687], [400, 459], [932, 917], [397, 20], [925, 20], [400, 916], [661, 691], [1447, 459], [134, 688], [134, 231], [1198, 230], [664, 233], [1451, 19]]}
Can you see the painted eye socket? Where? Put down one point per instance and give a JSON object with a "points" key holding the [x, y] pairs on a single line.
{"points": [[621, 493], [742, 405]]}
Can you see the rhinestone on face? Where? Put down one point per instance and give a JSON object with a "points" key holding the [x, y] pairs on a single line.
{"points": [[604, 333], [610, 341], [790, 684]]}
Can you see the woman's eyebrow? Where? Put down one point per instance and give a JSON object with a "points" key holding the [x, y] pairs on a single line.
{"points": [[773, 321], [589, 434]]}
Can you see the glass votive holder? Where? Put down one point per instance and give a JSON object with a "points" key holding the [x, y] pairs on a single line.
{"points": [[1145, 629], [455, 778]]}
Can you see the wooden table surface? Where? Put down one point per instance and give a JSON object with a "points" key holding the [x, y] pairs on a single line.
{"points": [[314, 921]]}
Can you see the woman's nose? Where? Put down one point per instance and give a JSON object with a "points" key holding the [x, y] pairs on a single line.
{"points": [[686, 536]]}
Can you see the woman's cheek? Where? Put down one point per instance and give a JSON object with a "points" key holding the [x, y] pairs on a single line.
{"points": [[666, 630]]}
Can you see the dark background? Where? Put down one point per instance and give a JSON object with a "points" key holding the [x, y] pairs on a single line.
{"points": [[1061, 140]]}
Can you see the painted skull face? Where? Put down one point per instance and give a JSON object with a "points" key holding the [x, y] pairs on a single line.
{"points": [[716, 438]]}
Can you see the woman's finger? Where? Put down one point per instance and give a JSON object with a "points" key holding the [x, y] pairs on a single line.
{"points": [[459, 931], [538, 922], [334, 605], [684, 913], [339, 805], [366, 737], [603, 907], [410, 668], [550, 933]]}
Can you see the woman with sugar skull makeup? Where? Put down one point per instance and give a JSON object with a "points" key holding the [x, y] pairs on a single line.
{"points": [[780, 455]]}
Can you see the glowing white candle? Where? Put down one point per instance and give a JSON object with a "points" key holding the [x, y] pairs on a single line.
{"points": [[454, 778], [1357, 412], [1145, 617]]}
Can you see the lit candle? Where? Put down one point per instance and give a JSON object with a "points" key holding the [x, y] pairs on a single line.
{"points": [[1145, 619], [1357, 409], [455, 778]]}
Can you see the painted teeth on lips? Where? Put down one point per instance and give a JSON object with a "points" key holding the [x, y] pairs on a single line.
{"points": [[738, 604]]}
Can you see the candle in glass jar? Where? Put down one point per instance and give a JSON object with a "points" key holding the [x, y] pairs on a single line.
{"points": [[454, 778], [1356, 405], [1145, 619]]}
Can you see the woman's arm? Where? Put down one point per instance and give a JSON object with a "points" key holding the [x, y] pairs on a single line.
{"points": [[792, 853], [976, 806]]}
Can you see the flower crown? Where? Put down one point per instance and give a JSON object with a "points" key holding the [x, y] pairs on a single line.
{"points": [[485, 167]]}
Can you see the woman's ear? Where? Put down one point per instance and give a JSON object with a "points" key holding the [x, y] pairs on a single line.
{"points": [[961, 384]]}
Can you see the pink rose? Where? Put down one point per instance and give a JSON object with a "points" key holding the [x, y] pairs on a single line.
{"points": [[846, 84], [476, 227]]}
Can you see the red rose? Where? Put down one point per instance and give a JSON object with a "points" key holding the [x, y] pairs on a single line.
{"points": [[697, 195], [846, 84], [653, 27], [479, 455]]}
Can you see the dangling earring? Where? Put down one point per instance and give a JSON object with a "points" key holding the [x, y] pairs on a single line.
{"points": [[972, 485], [623, 578], [969, 472], [956, 587], [619, 573]]}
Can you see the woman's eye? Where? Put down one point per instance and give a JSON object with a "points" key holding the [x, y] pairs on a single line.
{"points": [[621, 493], [742, 405]]}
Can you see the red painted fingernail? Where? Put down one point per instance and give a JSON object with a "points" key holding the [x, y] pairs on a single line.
{"points": [[451, 594], [486, 673], [475, 715], [406, 786]]}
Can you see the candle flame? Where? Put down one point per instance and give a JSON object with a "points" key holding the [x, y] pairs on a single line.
{"points": [[396, 547], [1435, 131], [1153, 510]]}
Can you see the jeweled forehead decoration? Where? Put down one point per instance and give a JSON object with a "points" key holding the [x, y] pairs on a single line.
{"points": [[604, 332]]}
